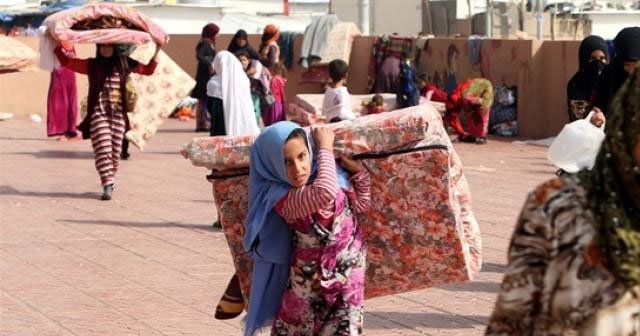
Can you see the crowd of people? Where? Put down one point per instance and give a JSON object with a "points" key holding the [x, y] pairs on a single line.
{"points": [[574, 259]]}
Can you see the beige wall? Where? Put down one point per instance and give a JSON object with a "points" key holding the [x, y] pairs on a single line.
{"points": [[540, 70], [25, 93]]}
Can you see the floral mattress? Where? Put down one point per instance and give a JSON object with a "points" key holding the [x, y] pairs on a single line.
{"points": [[158, 94], [421, 233], [107, 23]]}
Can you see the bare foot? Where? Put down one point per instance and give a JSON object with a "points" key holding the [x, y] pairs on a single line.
{"points": [[62, 139], [77, 137]]}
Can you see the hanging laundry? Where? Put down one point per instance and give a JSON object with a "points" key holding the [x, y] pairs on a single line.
{"points": [[475, 49], [315, 39], [285, 42]]}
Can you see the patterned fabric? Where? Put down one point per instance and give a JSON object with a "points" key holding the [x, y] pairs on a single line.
{"points": [[158, 95], [71, 24], [439, 244], [325, 294], [614, 184], [339, 42], [107, 130], [556, 281], [15, 56]]}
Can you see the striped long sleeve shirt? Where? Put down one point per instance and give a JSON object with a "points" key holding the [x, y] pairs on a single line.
{"points": [[319, 196]]}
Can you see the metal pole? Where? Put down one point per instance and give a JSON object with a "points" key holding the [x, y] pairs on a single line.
{"points": [[489, 19], [539, 18], [363, 6]]}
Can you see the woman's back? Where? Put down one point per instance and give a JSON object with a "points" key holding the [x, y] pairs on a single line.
{"points": [[557, 280]]}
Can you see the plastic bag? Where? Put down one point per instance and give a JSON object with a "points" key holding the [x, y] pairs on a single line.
{"points": [[577, 145]]}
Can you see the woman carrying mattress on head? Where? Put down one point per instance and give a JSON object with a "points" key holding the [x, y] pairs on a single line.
{"points": [[109, 101]]}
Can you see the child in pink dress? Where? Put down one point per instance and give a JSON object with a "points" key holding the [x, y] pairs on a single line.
{"points": [[307, 246]]}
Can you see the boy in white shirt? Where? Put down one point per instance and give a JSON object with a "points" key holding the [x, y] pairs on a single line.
{"points": [[336, 105]]}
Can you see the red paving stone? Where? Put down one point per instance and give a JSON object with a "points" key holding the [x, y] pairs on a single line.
{"points": [[149, 263]]}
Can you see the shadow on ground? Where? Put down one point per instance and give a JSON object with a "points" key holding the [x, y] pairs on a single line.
{"points": [[203, 227], [427, 320], [474, 286], [11, 191], [25, 139], [57, 154]]}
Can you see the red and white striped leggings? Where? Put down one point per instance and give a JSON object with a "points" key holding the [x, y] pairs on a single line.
{"points": [[107, 132]]}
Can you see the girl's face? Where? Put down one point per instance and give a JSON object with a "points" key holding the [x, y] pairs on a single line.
{"points": [[106, 50], [241, 42], [297, 162], [244, 61]]}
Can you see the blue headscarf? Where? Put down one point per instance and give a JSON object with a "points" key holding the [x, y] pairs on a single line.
{"points": [[267, 236]]}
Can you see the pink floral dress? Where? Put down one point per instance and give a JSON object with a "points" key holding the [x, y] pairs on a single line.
{"points": [[325, 293]]}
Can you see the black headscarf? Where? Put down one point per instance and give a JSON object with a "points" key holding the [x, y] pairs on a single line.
{"points": [[234, 47], [627, 45], [581, 85]]}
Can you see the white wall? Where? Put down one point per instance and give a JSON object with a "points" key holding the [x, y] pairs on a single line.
{"points": [[182, 19], [386, 16], [609, 24]]}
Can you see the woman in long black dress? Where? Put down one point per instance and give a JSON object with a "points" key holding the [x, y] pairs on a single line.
{"points": [[205, 53]]}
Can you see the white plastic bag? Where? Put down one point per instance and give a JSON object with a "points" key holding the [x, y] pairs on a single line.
{"points": [[577, 145]]}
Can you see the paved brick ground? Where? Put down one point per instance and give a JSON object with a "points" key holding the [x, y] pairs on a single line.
{"points": [[148, 263]]}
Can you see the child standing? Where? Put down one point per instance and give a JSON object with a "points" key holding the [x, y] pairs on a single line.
{"points": [[407, 93], [307, 247], [336, 105], [259, 78], [275, 112]]}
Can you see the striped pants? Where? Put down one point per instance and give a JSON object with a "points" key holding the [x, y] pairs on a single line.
{"points": [[107, 133]]}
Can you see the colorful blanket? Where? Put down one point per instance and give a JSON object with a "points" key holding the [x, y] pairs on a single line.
{"points": [[104, 22], [15, 56], [422, 234]]}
